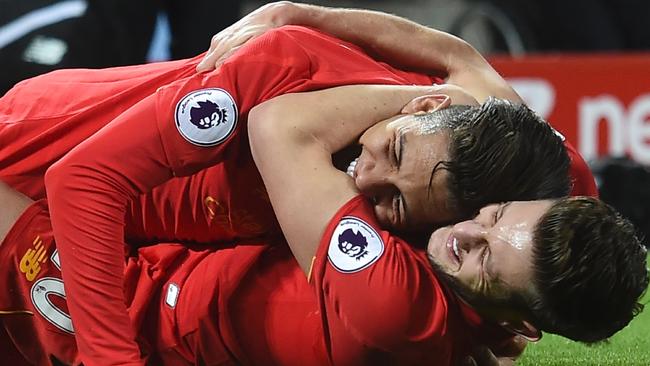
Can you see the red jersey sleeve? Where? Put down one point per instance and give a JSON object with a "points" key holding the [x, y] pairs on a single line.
{"points": [[582, 179], [43, 118], [377, 294], [203, 111]]}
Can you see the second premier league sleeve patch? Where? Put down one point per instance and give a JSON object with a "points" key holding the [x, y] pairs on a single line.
{"points": [[206, 117], [354, 245]]}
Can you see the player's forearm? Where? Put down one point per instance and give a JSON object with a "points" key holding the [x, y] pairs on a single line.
{"points": [[335, 117], [92, 267], [88, 190], [405, 43], [289, 162], [397, 40]]}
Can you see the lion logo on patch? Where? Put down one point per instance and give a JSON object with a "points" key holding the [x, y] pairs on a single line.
{"points": [[207, 114], [206, 117], [353, 244]]}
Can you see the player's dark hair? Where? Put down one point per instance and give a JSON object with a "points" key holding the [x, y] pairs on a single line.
{"points": [[503, 151], [590, 270]]}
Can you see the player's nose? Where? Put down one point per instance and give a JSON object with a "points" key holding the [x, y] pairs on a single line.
{"points": [[469, 234], [375, 186]]}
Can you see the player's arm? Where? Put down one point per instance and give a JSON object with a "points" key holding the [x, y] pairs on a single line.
{"points": [[292, 139], [88, 191], [397, 40]]}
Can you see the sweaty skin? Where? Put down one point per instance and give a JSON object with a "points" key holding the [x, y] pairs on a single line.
{"points": [[518, 236]]}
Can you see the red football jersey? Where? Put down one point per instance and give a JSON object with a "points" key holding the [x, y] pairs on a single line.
{"points": [[183, 127], [249, 304], [44, 117], [382, 302], [252, 305], [246, 305]]}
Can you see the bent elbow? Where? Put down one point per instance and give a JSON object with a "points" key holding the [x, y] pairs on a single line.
{"points": [[65, 180], [55, 178], [254, 121], [263, 130]]}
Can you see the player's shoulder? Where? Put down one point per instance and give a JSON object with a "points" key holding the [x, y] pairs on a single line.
{"points": [[355, 240], [370, 272]]}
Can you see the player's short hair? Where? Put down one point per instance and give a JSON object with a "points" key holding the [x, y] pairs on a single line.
{"points": [[503, 151], [590, 270]]}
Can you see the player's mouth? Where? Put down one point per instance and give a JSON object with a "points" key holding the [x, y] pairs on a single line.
{"points": [[352, 168], [454, 251]]}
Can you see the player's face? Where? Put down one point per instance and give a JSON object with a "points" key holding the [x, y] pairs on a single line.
{"points": [[491, 255], [394, 171]]}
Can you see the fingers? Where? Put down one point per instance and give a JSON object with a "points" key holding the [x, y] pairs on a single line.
{"points": [[218, 50], [203, 66], [213, 54], [226, 42], [518, 345], [225, 56], [219, 45]]}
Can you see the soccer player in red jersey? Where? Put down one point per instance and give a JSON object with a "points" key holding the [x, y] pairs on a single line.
{"points": [[249, 304], [373, 300], [527, 266], [209, 207]]}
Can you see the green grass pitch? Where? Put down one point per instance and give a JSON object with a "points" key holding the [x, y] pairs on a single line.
{"points": [[630, 347]]}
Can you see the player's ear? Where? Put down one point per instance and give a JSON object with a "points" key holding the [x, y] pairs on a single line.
{"points": [[524, 329], [427, 104]]}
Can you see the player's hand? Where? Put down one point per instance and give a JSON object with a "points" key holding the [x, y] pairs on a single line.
{"points": [[229, 40], [507, 356]]}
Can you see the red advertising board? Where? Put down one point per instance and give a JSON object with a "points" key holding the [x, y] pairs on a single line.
{"points": [[601, 103]]}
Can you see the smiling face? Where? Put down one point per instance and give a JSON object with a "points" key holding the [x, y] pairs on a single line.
{"points": [[394, 171], [491, 255], [396, 166]]}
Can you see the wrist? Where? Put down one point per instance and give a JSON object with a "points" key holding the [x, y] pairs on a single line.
{"points": [[287, 13], [305, 14]]}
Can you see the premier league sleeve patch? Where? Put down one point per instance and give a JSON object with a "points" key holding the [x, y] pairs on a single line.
{"points": [[206, 117], [354, 245]]}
